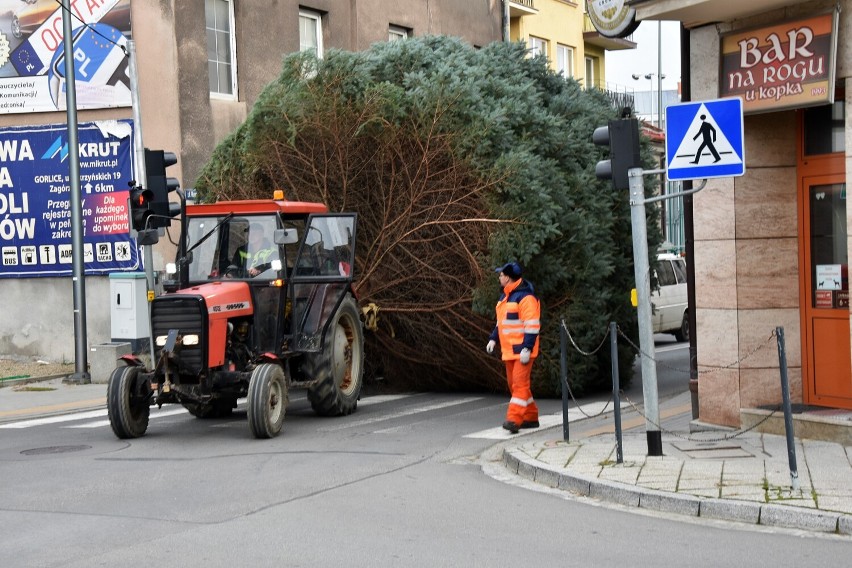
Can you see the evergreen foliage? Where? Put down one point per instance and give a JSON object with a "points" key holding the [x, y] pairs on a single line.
{"points": [[456, 160]]}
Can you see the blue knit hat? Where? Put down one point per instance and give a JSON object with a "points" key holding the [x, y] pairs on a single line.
{"points": [[511, 269]]}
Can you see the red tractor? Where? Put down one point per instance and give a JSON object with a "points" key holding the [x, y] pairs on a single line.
{"points": [[263, 302]]}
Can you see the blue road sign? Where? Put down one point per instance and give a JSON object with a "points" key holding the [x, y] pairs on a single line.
{"points": [[705, 140]]}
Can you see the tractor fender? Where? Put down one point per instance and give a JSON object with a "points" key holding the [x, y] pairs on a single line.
{"points": [[268, 357], [131, 360]]}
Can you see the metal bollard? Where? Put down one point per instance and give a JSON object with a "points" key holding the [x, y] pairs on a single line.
{"points": [[788, 412], [616, 400], [563, 378]]}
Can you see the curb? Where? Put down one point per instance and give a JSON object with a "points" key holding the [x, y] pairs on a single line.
{"points": [[27, 380], [766, 514]]}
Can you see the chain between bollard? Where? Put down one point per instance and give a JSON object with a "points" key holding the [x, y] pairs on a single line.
{"points": [[732, 436], [710, 369]]}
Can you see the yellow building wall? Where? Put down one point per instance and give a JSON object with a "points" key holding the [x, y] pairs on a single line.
{"points": [[560, 22]]}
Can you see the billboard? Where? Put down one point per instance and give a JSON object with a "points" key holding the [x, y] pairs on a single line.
{"points": [[35, 199], [32, 58]]}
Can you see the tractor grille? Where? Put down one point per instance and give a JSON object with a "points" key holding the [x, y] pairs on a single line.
{"points": [[188, 314]]}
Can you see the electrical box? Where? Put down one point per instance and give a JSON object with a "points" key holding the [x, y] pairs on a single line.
{"points": [[128, 294]]}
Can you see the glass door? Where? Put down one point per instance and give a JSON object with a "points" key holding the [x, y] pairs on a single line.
{"points": [[826, 322]]}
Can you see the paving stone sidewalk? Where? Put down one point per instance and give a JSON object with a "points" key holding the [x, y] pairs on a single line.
{"points": [[745, 479]]}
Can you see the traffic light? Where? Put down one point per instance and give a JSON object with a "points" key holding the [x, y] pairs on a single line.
{"points": [[622, 137], [140, 207], [156, 162]]}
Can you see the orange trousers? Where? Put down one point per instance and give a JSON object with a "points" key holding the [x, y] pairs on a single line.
{"points": [[522, 407]]}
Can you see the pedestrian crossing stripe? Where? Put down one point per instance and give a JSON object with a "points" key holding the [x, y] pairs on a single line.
{"points": [[705, 140]]}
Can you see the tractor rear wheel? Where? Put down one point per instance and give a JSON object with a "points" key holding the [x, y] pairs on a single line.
{"points": [[267, 400], [338, 370], [127, 403]]}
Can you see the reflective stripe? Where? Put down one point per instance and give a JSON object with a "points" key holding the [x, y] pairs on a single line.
{"points": [[532, 330], [518, 401], [533, 322], [530, 400]]}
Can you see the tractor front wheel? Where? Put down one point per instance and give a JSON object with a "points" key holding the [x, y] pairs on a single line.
{"points": [[267, 400], [127, 403]]}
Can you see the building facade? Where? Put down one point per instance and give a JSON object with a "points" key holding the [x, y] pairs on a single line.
{"points": [[770, 247], [201, 65]]}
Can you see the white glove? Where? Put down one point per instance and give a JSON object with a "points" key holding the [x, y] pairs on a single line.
{"points": [[525, 356], [490, 347]]}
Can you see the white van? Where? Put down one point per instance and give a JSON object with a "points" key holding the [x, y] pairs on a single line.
{"points": [[668, 301]]}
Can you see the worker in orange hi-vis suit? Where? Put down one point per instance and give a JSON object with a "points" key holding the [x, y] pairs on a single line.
{"points": [[518, 325]]}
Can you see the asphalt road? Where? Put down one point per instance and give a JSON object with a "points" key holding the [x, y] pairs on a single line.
{"points": [[408, 480]]}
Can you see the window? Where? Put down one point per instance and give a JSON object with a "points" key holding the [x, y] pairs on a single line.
{"points": [[221, 47], [590, 72], [310, 32], [825, 129], [565, 60], [538, 46], [665, 273], [397, 32]]}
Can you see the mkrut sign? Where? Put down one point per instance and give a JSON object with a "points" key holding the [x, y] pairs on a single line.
{"points": [[788, 65], [35, 199]]}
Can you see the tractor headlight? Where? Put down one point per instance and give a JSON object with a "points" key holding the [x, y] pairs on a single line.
{"points": [[190, 339]]}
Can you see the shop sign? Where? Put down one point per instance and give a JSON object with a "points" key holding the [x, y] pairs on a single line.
{"points": [[787, 65], [612, 18]]}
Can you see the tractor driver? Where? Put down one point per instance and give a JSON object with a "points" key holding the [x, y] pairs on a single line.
{"points": [[257, 254]]}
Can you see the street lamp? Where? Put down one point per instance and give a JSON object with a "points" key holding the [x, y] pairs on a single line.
{"points": [[660, 78]]}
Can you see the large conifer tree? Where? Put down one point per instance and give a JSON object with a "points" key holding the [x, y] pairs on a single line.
{"points": [[456, 160]]}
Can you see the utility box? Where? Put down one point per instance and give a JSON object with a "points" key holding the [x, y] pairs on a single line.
{"points": [[128, 293], [103, 359]]}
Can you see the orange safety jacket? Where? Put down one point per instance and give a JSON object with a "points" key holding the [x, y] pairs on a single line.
{"points": [[518, 320]]}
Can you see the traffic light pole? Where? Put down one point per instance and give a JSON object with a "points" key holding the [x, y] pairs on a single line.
{"points": [[642, 273], [139, 151]]}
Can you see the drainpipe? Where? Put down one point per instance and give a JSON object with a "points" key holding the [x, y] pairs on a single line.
{"points": [[689, 235], [506, 20]]}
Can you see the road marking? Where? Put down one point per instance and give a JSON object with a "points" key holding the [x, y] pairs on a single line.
{"points": [[546, 421], [668, 348], [400, 414], [154, 415], [55, 419], [383, 398], [54, 407], [155, 412]]}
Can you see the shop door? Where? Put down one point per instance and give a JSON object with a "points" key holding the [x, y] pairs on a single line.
{"points": [[828, 381]]}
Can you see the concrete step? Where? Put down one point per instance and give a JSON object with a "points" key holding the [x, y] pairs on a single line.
{"points": [[814, 423]]}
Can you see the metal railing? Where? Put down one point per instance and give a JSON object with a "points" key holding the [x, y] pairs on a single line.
{"points": [[527, 3]]}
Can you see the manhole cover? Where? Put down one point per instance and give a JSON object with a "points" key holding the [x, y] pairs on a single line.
{"points": [[55, 450]]}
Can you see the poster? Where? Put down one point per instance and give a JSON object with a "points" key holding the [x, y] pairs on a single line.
{"points": [[35, 199], [32, 58]]}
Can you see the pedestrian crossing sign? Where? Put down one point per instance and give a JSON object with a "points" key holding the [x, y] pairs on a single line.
{"points": [[705, 140]]}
